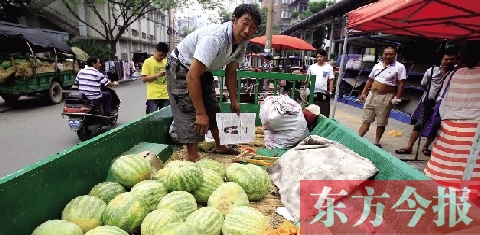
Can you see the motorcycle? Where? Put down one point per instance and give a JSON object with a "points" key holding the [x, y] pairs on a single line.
{"points": [[86, 116]]}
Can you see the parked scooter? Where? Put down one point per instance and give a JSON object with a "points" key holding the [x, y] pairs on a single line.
{"points": [[86, 116]]}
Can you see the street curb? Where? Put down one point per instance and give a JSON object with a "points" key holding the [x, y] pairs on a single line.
{"points": [[5, 110]]}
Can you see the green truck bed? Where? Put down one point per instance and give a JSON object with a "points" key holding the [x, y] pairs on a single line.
{"points": [[39, 192]]}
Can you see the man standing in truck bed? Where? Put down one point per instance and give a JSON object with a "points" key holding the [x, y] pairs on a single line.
{"points": [[386, 83], [190, 80]]}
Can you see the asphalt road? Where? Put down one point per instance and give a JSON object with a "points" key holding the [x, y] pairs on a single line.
{"points": [[35, 129]]}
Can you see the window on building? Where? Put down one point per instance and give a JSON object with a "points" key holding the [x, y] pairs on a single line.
{"points": [[286, 1], [274, 14], [144, 35], [134, 33], [275, 2], [302, 6], [285, 14]]}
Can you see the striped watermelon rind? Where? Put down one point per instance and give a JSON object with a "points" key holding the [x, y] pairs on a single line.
{"points": [[106, 230], [206, 163], [85, 211], [253, 179], [161, 176], [179, 229], [126, 211], [208, 220], [131, 169], [63, 227], [244, 220], [156, 219], [180, 201], [151, 191], [210, 181], [107, 190], [228, 196], [183, 176]]}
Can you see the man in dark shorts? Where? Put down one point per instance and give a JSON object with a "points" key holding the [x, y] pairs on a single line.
{"points": [[190, 81], [447, 65]]}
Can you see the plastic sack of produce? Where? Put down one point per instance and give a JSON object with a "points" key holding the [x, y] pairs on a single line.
{"points": [[284, 122]]}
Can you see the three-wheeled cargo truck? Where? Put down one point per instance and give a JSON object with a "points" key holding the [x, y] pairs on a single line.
{"points": [[24, 74], [40, 192]]}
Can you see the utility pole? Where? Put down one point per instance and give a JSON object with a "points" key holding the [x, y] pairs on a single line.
{"points": [[269, 29]]}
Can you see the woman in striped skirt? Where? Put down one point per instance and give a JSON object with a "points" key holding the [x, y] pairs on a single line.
{"points": [[460, 114]]}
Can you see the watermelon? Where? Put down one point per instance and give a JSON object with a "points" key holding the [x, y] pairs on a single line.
{"points": [[208, 220], [178, 229], [57, 227], [85, 211], [161, 176], [210, 181], [106, 230], [157, 219], [253, 179], [107, 190], [126, 211], [180, 201], [131, 169], [244, 220], [183, 176], [151, 191], [227, 196], [206, 163]]}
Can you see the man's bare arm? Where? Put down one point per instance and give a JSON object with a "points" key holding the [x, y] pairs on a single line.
{"points": [[401, 87], [194, 85], [231, 80], [152, 77]]}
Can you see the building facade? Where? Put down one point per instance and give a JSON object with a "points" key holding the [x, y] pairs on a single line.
{"points": [[141, 36]]}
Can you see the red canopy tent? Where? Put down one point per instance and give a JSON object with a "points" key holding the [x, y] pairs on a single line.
{"points": [[446, 19], [441, 19]]}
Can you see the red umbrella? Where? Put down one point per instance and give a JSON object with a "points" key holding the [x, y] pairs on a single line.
{"points": [[447, 19], [284, 42]]}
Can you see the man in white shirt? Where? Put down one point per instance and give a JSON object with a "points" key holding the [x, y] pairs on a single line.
{"points": [[436, 83], [190, 81], [324, 79], [386, 83]]}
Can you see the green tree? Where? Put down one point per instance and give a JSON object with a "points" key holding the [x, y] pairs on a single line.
{"points": [[12, 10], [320, 32], [186, 31], [93, 48], [225, 15], [262, 30], [123, 13]]}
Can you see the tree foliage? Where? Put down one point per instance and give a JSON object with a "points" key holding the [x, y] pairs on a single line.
{"points": [[262, 30], [320, 32], [123, 13], [187, 30], [93, 48], [12, 10]]}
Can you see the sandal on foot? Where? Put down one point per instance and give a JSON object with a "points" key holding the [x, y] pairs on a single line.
{"points": [[378, 145], [229, 151], [403, 151], [426, 152]]}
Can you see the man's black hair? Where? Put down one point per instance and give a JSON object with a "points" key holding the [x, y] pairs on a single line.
{"points": [[450, 52], [322, 52], [162, 47], [472, 57], [394, 48], [253, 10], [92, 60]]}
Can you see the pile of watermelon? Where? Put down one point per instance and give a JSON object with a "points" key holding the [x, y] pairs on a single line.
{"points": [[183, 197]]}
